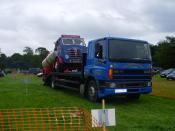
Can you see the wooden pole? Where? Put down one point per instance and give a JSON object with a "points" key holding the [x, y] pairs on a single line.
{"points": [[104, 115]]}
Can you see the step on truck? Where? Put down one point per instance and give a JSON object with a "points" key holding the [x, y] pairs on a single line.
{"points": [[108, 66]]}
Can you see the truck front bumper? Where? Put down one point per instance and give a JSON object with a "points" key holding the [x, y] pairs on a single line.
{"points": [[104, 92]]}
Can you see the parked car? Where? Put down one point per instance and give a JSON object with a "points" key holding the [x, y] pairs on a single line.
{"points": [[171, 76], [34, 70], [156, 70], [164, 73], [24, 71]]}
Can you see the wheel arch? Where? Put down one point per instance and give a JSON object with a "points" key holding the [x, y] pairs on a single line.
{"points": [[89, 78]]}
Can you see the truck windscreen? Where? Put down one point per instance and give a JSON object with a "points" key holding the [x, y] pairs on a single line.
{"points": [[68, 41], [75, 41], [129, 51]]}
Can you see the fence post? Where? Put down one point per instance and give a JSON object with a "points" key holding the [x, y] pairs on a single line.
{"points": [[104, 115]]}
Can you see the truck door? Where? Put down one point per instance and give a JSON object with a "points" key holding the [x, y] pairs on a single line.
{"points": [[100, 58]]}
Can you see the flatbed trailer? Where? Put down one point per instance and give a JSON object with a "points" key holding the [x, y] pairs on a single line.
{"points": [[69, 79]]}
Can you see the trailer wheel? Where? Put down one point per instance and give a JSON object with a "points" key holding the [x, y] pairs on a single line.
{"points": [[133, 96], [53, 83], [92, 91], [47, 81]]}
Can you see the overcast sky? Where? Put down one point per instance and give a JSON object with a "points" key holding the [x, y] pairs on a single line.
{"points": [[37, 23]]}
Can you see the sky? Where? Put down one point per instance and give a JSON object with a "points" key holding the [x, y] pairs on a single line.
{"points": [[39, 23]]}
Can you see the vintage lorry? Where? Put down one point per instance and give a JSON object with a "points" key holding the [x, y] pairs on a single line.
{"points": [[66, 55]]}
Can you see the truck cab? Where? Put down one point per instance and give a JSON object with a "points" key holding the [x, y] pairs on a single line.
{"points": [[69, 49], [117, 66]]}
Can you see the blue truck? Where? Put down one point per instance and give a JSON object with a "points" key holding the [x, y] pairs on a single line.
{"points": [[110, 67]]}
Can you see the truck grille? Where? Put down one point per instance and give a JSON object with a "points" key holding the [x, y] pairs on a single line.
{"points": [[74, 55], [129, 71], [120, 77], [131, 75]]}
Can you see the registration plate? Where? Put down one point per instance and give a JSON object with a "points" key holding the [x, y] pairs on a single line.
{"points": [[120, 90]]}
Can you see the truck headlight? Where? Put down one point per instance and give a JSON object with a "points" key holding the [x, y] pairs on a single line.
{"points": [[67, 56]]}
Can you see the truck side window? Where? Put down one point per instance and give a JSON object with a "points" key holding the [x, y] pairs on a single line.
{"points": [[100, 50]]}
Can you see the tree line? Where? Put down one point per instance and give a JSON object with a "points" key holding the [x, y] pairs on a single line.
{"points": [[163, 55], [30, 59]]}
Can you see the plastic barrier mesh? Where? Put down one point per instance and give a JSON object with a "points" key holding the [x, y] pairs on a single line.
{"points": [[46, 119]]}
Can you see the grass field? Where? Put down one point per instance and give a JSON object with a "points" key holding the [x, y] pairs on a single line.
{"points": [[163, 87], [149, 113]]}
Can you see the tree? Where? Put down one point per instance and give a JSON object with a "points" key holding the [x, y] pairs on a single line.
{"points": [[16, 61], [42, 51], [153, 51], [25, 61], [36, 61], [3, 59], [16, 57], [28, 51], [165, 52]]}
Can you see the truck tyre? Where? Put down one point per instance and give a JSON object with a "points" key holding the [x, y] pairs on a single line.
{"points": [[47, 81], [133, 96], [52, 84], [82, 89], [92, 91]]}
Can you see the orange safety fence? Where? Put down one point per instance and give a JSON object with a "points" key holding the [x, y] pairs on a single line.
{"points": [[47, 119]]}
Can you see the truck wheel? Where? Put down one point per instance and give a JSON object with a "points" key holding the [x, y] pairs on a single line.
{"points": [[53, 83], [47, 81], [92, 91], [82, 89], [133, 96]]}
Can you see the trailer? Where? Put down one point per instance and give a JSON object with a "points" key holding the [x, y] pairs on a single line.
{"points": [[109, 67]]}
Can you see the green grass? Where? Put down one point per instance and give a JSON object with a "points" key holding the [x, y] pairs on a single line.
{"points": [[149, 113], [163, 87]]}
